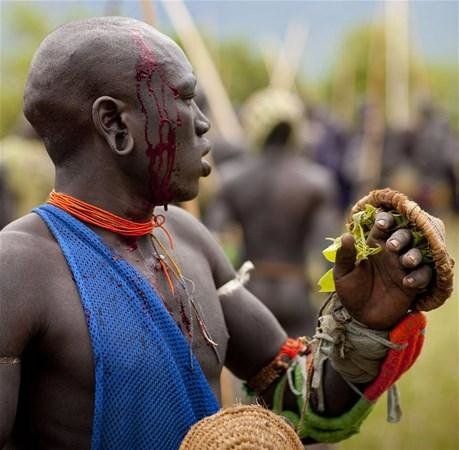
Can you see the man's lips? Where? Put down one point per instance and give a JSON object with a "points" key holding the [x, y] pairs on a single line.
{"points": [[206, 148], [206, 167]]}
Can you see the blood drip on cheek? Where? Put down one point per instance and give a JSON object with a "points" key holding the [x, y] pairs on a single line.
{"points": [[162, 155]]}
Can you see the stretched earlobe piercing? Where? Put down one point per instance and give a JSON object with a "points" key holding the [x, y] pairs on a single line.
{"points": [[125, 146]]}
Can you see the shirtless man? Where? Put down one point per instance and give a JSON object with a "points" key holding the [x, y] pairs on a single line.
{"points": [[285, 217], [113, 101]]}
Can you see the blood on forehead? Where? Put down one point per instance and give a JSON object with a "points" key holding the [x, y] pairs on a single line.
{"points": [[154, 91]]}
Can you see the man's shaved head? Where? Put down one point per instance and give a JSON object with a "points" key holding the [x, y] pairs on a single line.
{"points": [[76, 64]]}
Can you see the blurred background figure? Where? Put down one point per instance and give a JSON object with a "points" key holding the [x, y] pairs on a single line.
{"points": [[426, 161], [328, 145], [278, 198], [363, 156]]}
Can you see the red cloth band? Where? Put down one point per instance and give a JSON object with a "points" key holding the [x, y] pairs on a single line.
{"points": [[292, 347], [410, 334]]}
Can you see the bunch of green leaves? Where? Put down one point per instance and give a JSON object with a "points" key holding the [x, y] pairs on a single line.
{"points": [[360, 228]]}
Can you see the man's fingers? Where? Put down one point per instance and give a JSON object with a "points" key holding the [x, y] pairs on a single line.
{"points": [[345, 257], [411, 259], [398, 240], [381, 229], [418, 279]]}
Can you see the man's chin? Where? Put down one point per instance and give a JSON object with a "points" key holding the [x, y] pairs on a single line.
{"points": [[187, 195]]}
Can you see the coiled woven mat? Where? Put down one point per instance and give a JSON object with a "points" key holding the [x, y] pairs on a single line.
{"points": [[242, 427], [432, 228]]}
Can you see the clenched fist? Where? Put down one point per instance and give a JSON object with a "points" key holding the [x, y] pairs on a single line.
{"points": [[378, 291]]}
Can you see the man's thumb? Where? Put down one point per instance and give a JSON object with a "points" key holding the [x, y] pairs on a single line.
{"points": [[345, 257]]}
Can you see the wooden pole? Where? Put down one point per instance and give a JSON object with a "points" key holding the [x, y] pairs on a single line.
{"points": [[397, 64], [289, 57], [268, 49], [370, 161], [148, 11]]}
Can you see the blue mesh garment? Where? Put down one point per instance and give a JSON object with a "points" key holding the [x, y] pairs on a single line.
{"points": [[147, 395]]}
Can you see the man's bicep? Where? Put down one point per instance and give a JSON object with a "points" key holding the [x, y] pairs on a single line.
{"points": [[255, 334], [13, 338], [19, 316], [10, 374]]}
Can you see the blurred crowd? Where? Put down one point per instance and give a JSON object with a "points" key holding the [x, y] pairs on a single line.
{"points": [[421, 160]]}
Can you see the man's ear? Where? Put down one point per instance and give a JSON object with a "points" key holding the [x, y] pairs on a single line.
{"points": [[106, 115]]}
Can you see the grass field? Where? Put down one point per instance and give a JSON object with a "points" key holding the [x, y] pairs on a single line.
{"points": [[429, 392]]}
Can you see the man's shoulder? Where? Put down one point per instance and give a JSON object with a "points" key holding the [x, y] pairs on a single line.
{"points": [[184, 225], [24, 245], [190, 233], [311, 177], [26, 229], [27, 276]]}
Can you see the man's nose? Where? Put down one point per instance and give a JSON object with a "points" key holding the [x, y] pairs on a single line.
{"points": [[201, 123]]}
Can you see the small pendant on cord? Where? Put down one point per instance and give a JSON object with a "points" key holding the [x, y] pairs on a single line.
{"points": [[159, 258]]}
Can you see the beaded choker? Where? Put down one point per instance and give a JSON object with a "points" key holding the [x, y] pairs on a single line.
{"points": [[101, 218]]}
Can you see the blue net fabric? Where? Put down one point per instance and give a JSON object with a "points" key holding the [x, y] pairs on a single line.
{"points": [[147, 393]]}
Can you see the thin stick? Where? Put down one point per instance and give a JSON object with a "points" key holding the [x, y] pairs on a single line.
{"points": [[148, 11], [289, 57], [397, 64]]}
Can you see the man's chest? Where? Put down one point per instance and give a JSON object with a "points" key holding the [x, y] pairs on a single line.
{"points": [[183, 280], [184, 291]]}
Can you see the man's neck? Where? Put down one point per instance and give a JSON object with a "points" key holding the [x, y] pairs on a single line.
{"points": [[115, 196]]}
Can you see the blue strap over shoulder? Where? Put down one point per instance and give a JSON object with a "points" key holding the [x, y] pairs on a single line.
{"points": [[147, 394]]}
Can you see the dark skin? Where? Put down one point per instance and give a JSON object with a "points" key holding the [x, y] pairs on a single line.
{"points": [[47, 400], [288, 209], [6, 201]]}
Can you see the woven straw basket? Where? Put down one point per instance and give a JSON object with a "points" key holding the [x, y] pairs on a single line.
{"points": [[433, 230], [244, 427]]}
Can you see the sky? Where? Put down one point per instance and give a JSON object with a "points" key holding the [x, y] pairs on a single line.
{"points": [[433, 23]]}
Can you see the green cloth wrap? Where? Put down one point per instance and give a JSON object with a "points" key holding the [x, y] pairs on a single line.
{"points": [[311, 425]]}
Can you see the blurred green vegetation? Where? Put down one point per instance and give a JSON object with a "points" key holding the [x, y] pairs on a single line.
{"points": [[28, 26], [242, 68], [23, 28], [358, 69], [359, 72]]}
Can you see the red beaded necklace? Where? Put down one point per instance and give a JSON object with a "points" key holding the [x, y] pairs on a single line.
{"points": [[101, 218]]}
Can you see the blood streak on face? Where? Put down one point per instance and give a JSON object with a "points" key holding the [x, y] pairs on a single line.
{"points": [[152, 88]]}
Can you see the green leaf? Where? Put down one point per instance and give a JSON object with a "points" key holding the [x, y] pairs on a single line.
{"points": [[327, 282], [330, 252]]}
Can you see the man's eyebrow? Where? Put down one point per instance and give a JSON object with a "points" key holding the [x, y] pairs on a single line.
{"points": [[187, 85]]}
